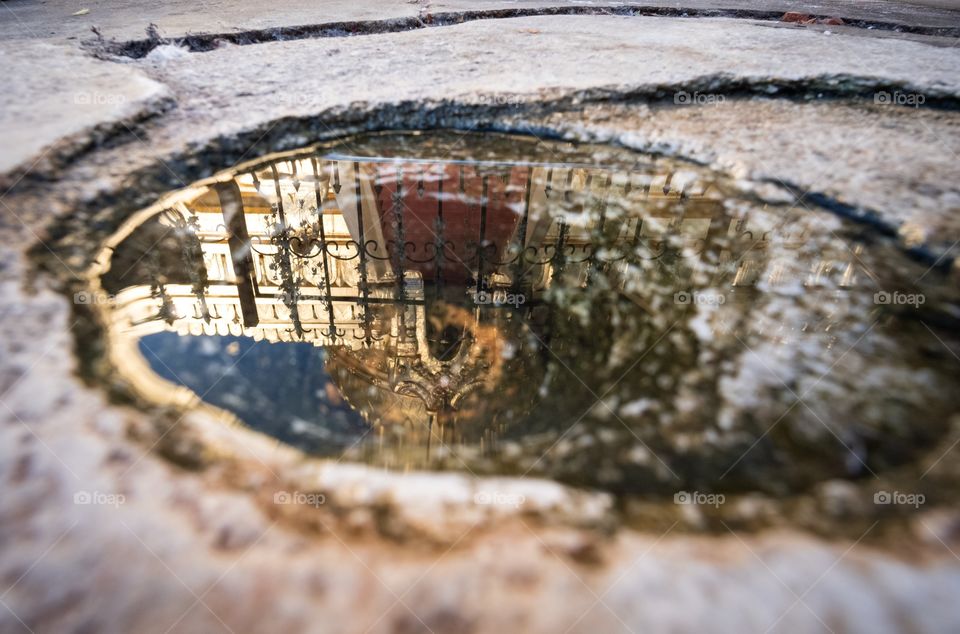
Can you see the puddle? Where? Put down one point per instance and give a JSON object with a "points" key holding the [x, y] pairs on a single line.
{"points": [[502, 305]]}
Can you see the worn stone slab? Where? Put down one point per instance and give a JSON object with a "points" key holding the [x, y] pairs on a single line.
{"points": [[129, 20], [891, 159], [183, 532], [90, 512], [234, 87], [58, 98]]}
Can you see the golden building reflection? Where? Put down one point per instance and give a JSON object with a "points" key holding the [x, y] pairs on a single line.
{"points": [[427, 282]]}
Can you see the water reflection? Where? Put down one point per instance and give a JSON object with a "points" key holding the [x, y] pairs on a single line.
{"points": [[426, 303]]}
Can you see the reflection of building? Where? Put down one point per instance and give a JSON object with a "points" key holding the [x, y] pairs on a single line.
{"points": [[380, 261], [272, 269]]}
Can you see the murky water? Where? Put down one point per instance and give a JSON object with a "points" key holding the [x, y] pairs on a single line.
{"points": [[505, 305]]}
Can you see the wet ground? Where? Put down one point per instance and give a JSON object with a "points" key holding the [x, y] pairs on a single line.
{"points": [[501, 305], [267, 368]]}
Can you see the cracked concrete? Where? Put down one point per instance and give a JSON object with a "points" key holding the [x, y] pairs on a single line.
{"points": [[196, 547]]}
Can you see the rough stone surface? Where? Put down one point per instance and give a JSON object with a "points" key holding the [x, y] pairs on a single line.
{"points": [[199, 545], [127, 21], [66, 108], [543, 55], [908, 150]]}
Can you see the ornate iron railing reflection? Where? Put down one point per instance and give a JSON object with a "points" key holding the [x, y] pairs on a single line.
{"points": [[312, 233], [353, 254]]}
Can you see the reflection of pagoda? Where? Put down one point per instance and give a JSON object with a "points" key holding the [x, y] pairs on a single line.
{"points": [[379, 261]]}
